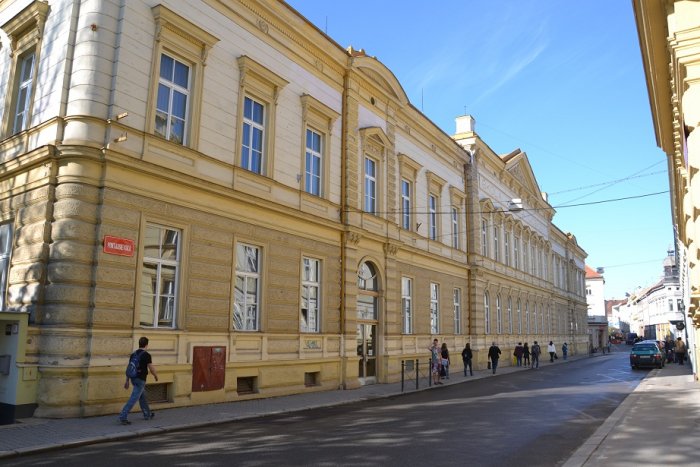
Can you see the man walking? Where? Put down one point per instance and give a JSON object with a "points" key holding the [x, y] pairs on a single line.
{"points": [[467, 359], [535, 351], [680, 351], [518, 354], [494, 355], [138, 383]]}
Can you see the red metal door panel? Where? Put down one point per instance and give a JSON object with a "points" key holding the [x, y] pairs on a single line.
{"points": [[218, 368], [200, 368]]}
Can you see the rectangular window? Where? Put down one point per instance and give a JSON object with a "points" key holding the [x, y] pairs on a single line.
{"points": [[487, 313], [253, 135], [5, 252], [314, 156], [510, 316], [406, 204], [246, 309], [432, 217], [407, 304], [310, 294], [496, 246], [506, 248], [499, 315], [484, 237], [670, 304], [516, 252], [24, 92], [457, 304], [159, 276], [434, 308], [173, 100], [455, 228], [370, 186]]}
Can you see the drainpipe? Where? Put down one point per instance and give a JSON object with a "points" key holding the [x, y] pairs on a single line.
{"points": [[343, 224]]}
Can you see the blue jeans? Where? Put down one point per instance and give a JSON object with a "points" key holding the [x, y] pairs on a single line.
{"points": [[494, 364], [137, 394], [535, 361]]}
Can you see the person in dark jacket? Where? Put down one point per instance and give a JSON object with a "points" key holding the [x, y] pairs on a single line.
{"points": [[467, 360], [526, 355], [518, 354], [494, 355], [445, 361]]}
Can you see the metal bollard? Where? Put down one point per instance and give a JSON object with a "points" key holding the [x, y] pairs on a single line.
{"points": [[403, 370], [417, 377]]}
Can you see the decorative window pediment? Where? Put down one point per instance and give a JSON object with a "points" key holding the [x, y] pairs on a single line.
{"points": [[27, 27]]}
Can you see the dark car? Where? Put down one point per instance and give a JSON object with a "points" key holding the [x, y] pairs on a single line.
{"points": [[631, 338], [646, 354]]}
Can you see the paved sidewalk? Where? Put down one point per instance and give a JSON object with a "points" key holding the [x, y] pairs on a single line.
{"points": [[655, 425], [659, 428]]}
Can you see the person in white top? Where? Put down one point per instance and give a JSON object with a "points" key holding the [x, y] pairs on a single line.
{"points": [[552, 351]]}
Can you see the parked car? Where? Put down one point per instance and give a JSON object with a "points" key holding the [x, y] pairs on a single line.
{"points": [[631, 338], [646, 353]]}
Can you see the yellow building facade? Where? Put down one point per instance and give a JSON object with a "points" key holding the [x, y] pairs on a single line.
{"points": [[266, 206], [669, 37]]}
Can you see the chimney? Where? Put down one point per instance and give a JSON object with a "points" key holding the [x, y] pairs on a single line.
{"points": [[465, 124]]}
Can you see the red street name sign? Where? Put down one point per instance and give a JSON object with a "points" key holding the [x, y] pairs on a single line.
{"points": [[118, 246]]}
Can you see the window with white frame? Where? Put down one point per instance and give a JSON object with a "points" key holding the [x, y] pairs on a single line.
{"points": [[510, 315], [506, 247], [434, 308], [534, 318], [519, 311], [516, 252], [318, 121], [172, 102], [5, 253], [406, 204], [487, 313], [407, 304], [526, 259], [24, 92], [432, 217], [484, 237], [527, 318], [25, 31], [312, 162], [496, 245], [455, 227], [533, 259], [246, 300], [457, 306], [159, 276], [252, 146], [370, 204], [542, 316], [310, 294], [499, 316]]}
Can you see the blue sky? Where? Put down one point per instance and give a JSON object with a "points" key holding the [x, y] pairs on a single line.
{"points": [[561, 80]]}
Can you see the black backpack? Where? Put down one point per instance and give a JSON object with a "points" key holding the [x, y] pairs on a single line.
{"points": [[133, 369]]}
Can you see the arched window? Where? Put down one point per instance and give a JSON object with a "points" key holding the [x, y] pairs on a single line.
{"points": [[499, 315], [368, 285], [527, 318], [487, 314], [534, 318], [510, 315]]}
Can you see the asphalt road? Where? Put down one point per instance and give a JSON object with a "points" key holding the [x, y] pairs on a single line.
{"points": [[533, 417]]}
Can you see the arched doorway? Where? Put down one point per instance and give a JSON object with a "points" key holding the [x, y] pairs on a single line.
{"points": [[367, 320]]}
